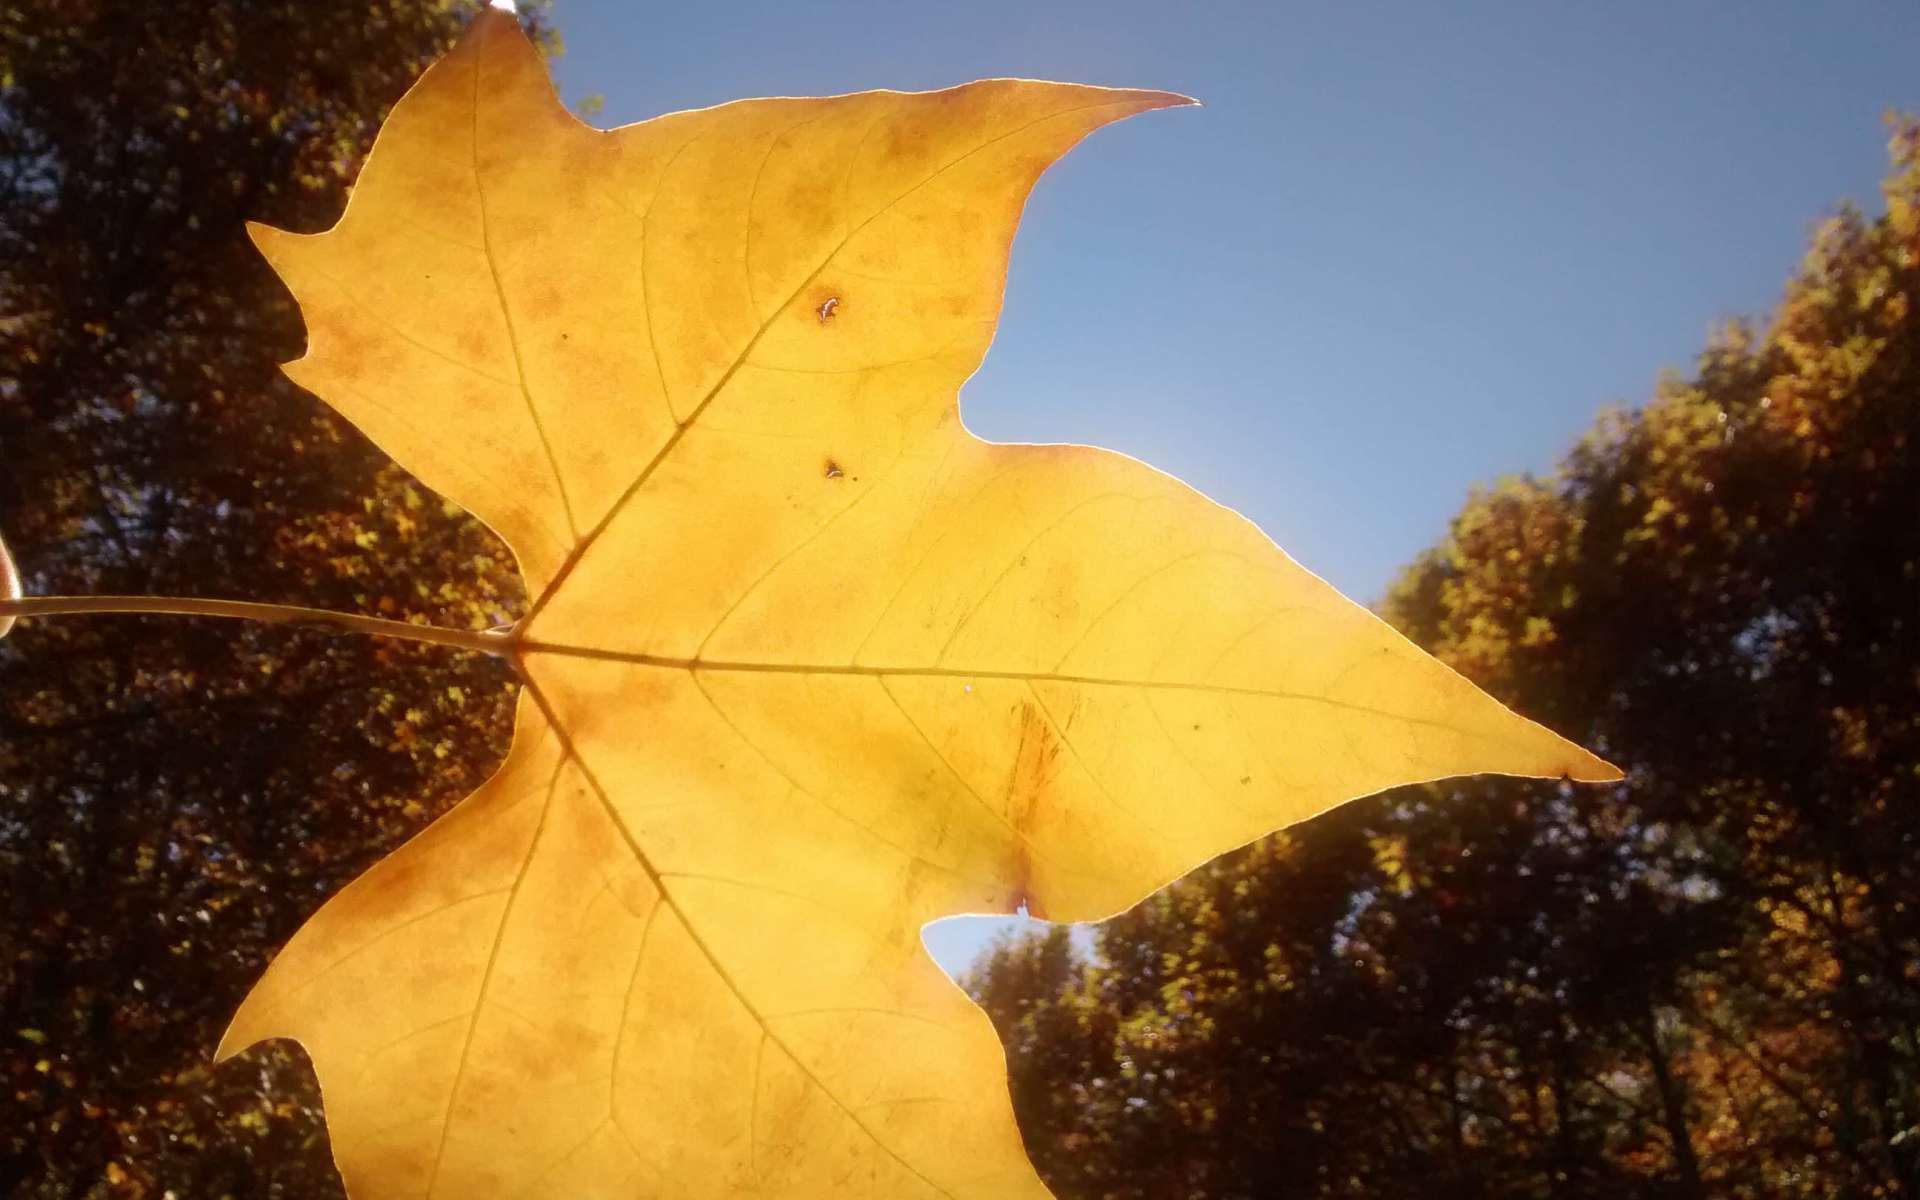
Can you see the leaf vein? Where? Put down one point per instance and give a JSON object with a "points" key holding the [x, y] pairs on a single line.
{"points": [[486, 977], [1015, 561], [585, 543], [999, 816], [665, 662], [506, 316], [713, 959]]}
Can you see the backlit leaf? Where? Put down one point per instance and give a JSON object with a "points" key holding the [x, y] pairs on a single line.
{"points": [[807, 664]]}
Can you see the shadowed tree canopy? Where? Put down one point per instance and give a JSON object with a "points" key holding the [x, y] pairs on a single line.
{"points": [[152, 446], [1702, 983]]}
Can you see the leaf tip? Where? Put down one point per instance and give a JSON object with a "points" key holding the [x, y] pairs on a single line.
{"points": [[269, 240], [1547, 755], [1574, 763], [236, 1040], [497, 15], [1591, 768], [1150, 100]]}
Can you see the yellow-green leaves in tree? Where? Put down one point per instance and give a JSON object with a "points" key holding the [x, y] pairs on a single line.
{"points": [[807, 665]]}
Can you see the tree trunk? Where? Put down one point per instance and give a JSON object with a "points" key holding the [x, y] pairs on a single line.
{"points": [[1672, 1107]]}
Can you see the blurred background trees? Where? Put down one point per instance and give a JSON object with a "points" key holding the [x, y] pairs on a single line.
{"points": [[177, 796], [1702, 983]]}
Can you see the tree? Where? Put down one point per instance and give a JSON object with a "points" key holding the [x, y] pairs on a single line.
{"points": [[151, 445], [1704, 983]]}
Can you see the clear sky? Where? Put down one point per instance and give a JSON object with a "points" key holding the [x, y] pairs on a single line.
{"points": [[1405, 247]]}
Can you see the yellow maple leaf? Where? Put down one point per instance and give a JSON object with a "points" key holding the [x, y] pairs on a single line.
{"points": [[807, 665]]}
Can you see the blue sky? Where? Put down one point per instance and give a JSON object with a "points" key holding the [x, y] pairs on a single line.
{"points": [[1405, 247]]}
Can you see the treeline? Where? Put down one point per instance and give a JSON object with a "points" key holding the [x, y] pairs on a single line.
{"points": [[1704, 982]]}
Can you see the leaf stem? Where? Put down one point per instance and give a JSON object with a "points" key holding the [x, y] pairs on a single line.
{"points": [[484, 641]]}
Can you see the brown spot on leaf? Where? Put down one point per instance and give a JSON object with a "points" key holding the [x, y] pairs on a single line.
{"points": [[833, 470], [1030, 789], [827, 309]]}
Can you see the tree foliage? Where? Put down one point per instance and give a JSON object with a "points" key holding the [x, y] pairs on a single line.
{"points": [[174, 797], [1705, 983]]}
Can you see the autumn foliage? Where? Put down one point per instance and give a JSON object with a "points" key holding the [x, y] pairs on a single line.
{"points": [[1705, 984]]}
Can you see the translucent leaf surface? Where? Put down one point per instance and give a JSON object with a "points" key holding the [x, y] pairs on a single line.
{"points": [[808, 664]]}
